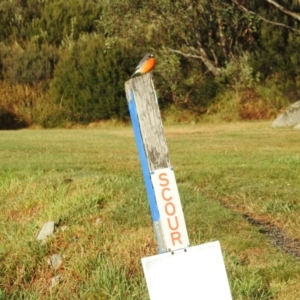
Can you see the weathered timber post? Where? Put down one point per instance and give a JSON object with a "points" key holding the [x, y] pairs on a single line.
{"points": [[166, 211], [181, 272]]}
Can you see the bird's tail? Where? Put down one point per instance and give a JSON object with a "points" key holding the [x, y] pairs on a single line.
{"points": [[136, 71]]}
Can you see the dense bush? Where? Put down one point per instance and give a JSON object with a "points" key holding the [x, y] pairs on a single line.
{"points": [[24, 105], [205, 50], [62, 19], [89, 80], [30, 65]]}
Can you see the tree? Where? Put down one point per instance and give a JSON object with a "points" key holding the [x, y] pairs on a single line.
{"points": [[30, 65], [283, 22], [191, 49], [62, 19], [208, 30], [89, 80]]}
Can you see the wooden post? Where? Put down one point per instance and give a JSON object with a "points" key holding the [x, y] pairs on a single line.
{"points": [[163, 197], [194, 273]]}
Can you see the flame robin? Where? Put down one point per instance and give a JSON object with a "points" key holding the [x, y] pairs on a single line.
{"points": [[145, 65]]}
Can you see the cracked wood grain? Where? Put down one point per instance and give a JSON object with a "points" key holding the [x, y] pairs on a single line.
{"points": [[150, 121]]}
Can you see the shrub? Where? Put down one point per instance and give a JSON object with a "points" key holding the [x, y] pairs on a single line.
{"points": [[181, 82], [61, 19], [254, 107], [24, 105], [31, 65], [89, 80]]}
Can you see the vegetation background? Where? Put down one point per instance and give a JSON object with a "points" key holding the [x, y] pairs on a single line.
{"points": [[66, 61]]}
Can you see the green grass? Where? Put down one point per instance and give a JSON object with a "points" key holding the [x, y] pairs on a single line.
{"points": [[89, 182]]}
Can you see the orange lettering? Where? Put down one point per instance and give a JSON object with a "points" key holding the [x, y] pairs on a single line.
{"points": [[168, 212], [175, 236], [162, 178], [170, 226], [163, 194]]}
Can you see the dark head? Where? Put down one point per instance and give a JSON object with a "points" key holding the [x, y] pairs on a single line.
{"points": [[148, 55]]}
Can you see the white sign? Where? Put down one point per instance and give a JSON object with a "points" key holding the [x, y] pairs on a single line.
{"points": [[195, 273], [170, 210]]}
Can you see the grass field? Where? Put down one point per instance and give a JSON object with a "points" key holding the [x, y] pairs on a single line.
{"points": [[239, 184]]}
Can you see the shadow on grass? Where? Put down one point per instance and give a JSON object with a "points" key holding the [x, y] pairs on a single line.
{"points": [[9, 121]]}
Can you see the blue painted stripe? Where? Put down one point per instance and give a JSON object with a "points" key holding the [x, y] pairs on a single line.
{"points": [[143, 158]]}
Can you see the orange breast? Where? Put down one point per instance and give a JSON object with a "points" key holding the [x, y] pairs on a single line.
{"points": [[148, 65]]}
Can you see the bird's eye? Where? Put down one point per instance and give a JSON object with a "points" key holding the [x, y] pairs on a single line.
{"points": [[151, 55]]}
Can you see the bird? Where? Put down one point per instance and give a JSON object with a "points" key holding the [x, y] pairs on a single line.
{"points": [[146, 65]]}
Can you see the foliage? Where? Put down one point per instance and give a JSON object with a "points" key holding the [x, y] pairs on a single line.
{"points": [[89, 80], [31, 65], [24, 105], [238, 74], [179, 83], [209, 30], [202, 47], [62, 19]]}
